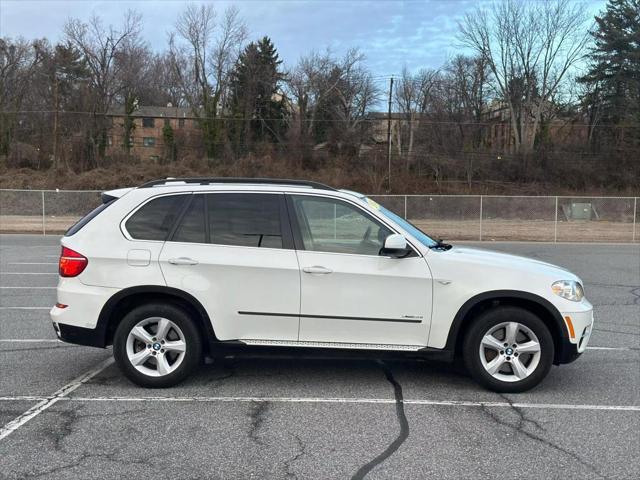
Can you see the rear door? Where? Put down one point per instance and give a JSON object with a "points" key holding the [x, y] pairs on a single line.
{"points": [[350, 293], [234, 253]]}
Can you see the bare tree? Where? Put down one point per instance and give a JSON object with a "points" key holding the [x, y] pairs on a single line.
{"points": [[19, 61], [339, 91], [203, 52], [351, 98], [100, 46], [413, 96], [133, 61], [529, 48]]}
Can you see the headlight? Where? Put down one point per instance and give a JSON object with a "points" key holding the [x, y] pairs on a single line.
{"points": [[569, 289]]}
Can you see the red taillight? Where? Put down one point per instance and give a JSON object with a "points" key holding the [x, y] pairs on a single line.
{"points": [[71, 263]]}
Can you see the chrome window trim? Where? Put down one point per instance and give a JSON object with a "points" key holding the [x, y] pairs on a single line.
{"points": [[380, 218], [122, 226]]}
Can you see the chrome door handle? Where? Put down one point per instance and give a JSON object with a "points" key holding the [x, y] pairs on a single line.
{"points": [[183, 261], [317, 269]]}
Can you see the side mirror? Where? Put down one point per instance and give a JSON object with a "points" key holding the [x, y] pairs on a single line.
{"points": [[395, 245]]}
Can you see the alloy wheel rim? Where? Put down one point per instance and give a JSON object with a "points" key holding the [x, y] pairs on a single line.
{"points": [[510, 351], [156, 346]]}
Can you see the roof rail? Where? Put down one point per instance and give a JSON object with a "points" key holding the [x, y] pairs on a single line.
{"points": [[252, 181]]}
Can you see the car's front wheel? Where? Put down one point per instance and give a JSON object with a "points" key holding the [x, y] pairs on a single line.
{"points": [[508, 349], [157, 345]]}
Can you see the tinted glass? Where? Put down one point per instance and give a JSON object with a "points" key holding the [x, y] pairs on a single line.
{"points": [[191, 227], [76, 227], [154, 220], [328, 225], [248, 220]]}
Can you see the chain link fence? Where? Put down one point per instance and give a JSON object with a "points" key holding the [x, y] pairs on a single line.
{"points": [[520, 218], [451, 217], [44, 211]]}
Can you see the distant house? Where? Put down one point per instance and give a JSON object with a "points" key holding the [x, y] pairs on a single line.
{"points": [[147, 139], [562, 130], [495, 128]]}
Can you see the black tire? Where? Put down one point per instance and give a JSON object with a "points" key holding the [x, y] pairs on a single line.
{"points": [[192, 338], [491, 318]]}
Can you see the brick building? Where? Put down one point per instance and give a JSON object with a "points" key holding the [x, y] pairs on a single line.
{"points": [[147, 137]]}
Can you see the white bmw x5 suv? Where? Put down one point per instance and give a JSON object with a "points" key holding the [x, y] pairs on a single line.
{"points": [[181, 268]]}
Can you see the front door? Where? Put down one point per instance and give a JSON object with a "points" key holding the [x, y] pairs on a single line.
{"points": [[234, 253], [349, 293]]}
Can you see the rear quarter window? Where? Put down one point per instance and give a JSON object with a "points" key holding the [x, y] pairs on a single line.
{"points": [[76, 227], [154, 220]]}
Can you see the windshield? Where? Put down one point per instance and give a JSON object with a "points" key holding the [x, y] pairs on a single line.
{"points": [[414, 231]]}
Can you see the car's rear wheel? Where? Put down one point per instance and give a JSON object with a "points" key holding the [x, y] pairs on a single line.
{"points": [[508, 349], [157, 345]]}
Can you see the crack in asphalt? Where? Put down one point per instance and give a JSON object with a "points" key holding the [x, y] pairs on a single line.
{"points": [[257, 415], [519, 428], [402, 421], [228, 371], [61, 432], [522, 419], [111, 456], [288, 464]]}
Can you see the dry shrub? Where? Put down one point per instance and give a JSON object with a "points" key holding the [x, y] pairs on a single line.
{"points": [[193, 162], [23, 155], [367, 173]]}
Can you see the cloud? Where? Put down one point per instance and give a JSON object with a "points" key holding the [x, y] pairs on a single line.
{"points": [[390, 33]]}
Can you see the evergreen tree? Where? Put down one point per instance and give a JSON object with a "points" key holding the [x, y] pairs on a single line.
{"points": [[613, 79], [257, 104]]}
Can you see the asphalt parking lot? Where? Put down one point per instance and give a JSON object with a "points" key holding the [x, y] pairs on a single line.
{"points": [[66, 412]]}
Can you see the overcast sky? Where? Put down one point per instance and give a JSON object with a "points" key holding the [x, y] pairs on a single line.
{"points": [[390, 33]]}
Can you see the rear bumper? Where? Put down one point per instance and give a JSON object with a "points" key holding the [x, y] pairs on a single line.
{"points": [[91, 337], [78, 321]]}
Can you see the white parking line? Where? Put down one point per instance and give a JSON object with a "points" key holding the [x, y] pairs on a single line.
{"points": [[29, 288], [32, 263], [450, 403], [22, 398], [329, 400], [25, 308], [10, 245], [28, 273], [30, 340], [611, 348], [58, 395]]}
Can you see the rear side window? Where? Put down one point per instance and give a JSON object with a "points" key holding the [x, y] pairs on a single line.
{"points": [[247, 220], [192, 228], [76, 227], [154, 220]]}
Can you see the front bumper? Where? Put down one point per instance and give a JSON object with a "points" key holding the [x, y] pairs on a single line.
{"points": [[579, 327]]}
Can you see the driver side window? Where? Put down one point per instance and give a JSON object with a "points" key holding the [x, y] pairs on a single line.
{"points": [[329, 225]]}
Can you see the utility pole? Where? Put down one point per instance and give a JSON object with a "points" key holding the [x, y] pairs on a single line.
{"points": [[389, 134], [55, 121]]}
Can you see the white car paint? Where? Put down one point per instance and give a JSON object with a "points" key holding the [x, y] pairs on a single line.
{"points": [[430, 287]]}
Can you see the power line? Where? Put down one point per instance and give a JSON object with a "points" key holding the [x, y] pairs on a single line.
{"points": [[356, 120]]}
